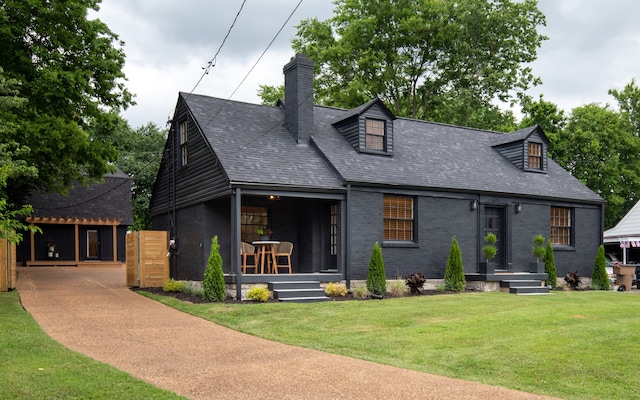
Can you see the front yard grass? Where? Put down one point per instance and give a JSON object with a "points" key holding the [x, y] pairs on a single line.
{"points": [[34, 366], [574, 345]]}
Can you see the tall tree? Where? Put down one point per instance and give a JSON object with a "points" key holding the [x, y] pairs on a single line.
{"points": [[415, 55], [629, 103], [139, 154], [11, 164], [599, 148], [70, 73]]}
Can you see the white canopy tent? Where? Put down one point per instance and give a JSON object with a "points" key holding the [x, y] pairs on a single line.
{"points": [[626, 232]]}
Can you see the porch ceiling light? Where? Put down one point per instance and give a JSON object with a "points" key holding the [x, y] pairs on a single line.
{"points": [[273, 197]]}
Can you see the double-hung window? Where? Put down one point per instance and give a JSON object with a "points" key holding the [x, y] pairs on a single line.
{"points": [[398, 218], [561, 226], [252, 218], [374, 134], [535, 155]]}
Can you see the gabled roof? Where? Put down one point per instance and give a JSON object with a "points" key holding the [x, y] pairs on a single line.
{"points": [[628, 229], [110, 199], [363, 108], [253, 147], [519, 135]]}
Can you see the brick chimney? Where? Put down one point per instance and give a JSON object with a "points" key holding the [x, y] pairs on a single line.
{"points": [[298, 98]]}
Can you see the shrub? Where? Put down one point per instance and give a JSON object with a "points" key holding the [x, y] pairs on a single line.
{"points": [[454, 273], [538, 247], [174, 286], [360, 292], [415, 282], [600, 279], [573, 280], [259, 294], [335, 289], [376, 277], [489, 250], [213, 284], [398, 288], [550, 266]]}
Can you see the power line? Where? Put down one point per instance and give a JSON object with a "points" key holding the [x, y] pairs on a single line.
{"points": [[212, 62], [254, 65]]}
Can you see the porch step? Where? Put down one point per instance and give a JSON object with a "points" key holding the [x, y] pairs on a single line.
{"points": [[525, 287], [298, 291]]}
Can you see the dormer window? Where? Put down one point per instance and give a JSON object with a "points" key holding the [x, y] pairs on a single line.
{"points": [[374, 134], [535, 155]]}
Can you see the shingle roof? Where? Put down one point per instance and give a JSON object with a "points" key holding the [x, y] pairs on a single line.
{"points": [[110, 199], [254, 147]]}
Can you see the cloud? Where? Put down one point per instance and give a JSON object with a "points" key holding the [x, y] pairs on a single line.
{"points": [[593, 46]]}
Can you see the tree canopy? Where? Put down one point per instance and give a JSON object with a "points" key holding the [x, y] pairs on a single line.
{"points": [[68, 70], [420, 56]]}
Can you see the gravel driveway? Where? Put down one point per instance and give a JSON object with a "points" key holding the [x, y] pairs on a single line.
{"points": [[91, 311]]}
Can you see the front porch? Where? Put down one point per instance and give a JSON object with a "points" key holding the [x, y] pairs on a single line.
{"points": [[322, 277]]}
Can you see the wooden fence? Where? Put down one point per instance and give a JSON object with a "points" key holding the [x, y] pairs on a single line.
{"points": [[147, 261], [8, 273]]}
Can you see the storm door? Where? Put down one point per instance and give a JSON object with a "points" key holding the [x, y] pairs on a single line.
{"points": [[494, 222]]}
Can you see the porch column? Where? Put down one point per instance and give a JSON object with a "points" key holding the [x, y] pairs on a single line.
{"points": [[236, 203], [77, 239], [33, 243], [115, 244]]}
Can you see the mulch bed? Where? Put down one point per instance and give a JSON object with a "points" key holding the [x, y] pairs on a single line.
{"points": [[192, 298]]}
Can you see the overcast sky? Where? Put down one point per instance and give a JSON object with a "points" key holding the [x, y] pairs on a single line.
{"points": [[593, 46]]}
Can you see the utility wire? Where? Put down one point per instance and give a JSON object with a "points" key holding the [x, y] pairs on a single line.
{"points": [[254, 65]]}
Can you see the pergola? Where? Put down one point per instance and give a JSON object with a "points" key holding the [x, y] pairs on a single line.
{"points": [[76, 222]]}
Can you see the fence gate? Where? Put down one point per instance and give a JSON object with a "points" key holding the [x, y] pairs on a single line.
{"points": [[147, 261], [8, 273]]}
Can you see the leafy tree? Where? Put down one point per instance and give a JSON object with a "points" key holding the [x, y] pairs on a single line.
{"points": [[550, 266], [417, 56], [629, 103], [11, 164], [271, 94], [139, 155], [599, 278], [599, 148], [376, 276], [545, 114], [70, 74], [454, 273], [213, 284]]}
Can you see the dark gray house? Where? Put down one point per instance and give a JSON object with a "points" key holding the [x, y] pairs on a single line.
{"points": [[335, 181], [86, 228]]}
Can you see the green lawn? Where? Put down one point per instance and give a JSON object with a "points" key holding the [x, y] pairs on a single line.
{"points": [[576, 345], [33, 366]]}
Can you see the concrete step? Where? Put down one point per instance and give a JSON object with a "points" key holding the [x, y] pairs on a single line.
{"points": [[298, 291], [295, 293], [529, 290], [520, 283], [305, 299]]}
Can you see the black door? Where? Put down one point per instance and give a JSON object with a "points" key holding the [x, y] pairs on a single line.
{"points": [[494, 223]]}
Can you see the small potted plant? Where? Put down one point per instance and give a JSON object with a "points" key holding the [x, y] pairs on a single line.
{"points": [[538, 251], [489, 250], [264, 233]]}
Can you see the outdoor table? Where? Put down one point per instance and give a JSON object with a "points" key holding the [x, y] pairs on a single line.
{"points": [[266, 248]]}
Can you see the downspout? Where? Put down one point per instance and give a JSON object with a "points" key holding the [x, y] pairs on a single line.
{"points": [[347, 265], [235, 241]]}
